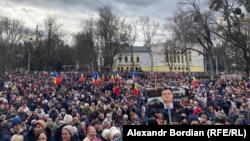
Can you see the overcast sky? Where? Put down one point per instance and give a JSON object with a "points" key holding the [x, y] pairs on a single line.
{"points": [[72, 12]]}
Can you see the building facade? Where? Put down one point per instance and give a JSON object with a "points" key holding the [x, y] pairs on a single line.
{"points": [[142, 60]]}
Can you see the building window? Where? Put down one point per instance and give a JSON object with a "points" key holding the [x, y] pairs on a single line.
{"points": [[174, 57], [126, 59], [118, 68], [120, 59], [179, 68], [136, 69], [175, 68], [190, 56], [121, 68], [131, 59], [186, 68], [131, 68], [126, 68], [182, 68], [137, 59], [178, 58]]}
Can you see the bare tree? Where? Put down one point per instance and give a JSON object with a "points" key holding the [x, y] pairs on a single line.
{"points": [[86, 41], [54, 35], [202, 27], [235, 26], [149, 29], [180, 25], [111, 36], [132, 35], [12, 30], [169, 49]]}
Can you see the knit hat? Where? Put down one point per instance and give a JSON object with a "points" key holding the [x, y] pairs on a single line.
{"points": [[16, 121], [105, 132], [114, 131], [67, 119], [72, 130], [40, 122], [193, 118]]}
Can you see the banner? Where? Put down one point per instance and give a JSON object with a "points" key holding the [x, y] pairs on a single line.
{"points": [[187, 132]]}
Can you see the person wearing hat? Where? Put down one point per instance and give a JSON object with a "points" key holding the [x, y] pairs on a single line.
{"points": [[193, 120], [15, 129], [106, 135], [115, 134], [69, 133], [38, 126], [68, 120]]}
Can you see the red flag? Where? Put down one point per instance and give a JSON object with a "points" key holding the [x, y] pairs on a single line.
{"points": [[195, 82], [117, 90], [134, 78], [135, 91], [103, 78], [118, 78], [58, 79], [112, 79], [82, 77]]}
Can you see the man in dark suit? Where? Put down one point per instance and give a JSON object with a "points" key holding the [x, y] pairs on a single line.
{"points": [[171, 112]]}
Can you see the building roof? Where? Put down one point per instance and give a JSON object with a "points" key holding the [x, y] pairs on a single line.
{"points": [[137, 49]]}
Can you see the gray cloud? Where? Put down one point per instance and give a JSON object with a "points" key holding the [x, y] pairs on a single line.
{"points": [[72, 12]]}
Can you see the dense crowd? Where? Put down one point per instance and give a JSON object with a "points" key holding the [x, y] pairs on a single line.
{"points": [[34, 108]]}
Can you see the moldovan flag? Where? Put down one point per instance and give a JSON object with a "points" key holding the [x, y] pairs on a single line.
{"points": [[95, 78], [195, 82], [116, 90], [135, 91], [118, 78], [56, 78], [82, 78], [135, 77], [103, 78], [112, 79]]}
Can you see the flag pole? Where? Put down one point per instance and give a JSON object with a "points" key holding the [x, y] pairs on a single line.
{"points": [[169, 116]]}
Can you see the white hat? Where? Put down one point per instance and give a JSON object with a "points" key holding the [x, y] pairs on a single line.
{"points": [[114, 131], [105, 132], [67, 119], [72, 130]]}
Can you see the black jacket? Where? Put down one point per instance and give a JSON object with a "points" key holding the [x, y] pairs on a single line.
{"points": [[58, 133], [175, 113]]}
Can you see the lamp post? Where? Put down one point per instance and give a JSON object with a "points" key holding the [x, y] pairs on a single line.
{"points": [[216, 63], [29, 54]]}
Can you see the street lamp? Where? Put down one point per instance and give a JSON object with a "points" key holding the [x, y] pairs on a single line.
{"points": [[216, 63], [29, 54]]}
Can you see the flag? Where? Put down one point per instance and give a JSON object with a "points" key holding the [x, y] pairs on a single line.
{"points": [[112, 79], [135, 91], [118, 80], [117, 89], [195, 82], [56, 78], [95, 78], [103, 78], [135, 77], [82, 78]]}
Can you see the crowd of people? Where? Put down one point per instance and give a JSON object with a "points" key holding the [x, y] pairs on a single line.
{"points": [[34, 108]]}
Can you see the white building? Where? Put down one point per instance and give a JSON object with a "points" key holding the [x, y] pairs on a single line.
{"points": [[142, 60]]}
